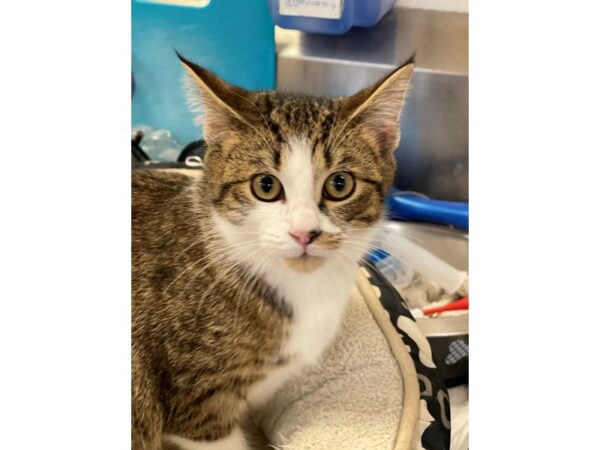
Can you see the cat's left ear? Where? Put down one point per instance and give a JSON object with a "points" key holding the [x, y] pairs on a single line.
{"points": [[377, 109], [223, 107]]}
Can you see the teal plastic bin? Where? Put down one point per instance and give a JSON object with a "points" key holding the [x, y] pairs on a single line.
{"points": [[233, 38]]}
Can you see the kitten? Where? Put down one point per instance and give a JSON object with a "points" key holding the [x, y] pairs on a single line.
{"points": [[241, 275]]}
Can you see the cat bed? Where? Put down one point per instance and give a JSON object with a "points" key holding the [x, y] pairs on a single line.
{"points": [[376, 388]]}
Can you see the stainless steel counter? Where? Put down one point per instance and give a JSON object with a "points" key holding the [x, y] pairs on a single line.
{"points": [[433, 153]]}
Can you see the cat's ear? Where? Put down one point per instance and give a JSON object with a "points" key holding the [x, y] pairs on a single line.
{"points": [[377, 109], [223, 108]]}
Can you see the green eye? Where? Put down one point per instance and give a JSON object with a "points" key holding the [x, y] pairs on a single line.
{"points": [[339, 186], [266, 188]]}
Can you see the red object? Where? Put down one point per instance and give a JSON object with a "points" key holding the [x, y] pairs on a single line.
{"points": [[457, 305]]}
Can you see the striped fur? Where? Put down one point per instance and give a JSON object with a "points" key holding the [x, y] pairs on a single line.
{"points": [[226, 305]]}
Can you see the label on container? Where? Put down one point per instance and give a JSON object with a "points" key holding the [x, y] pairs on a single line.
{"points": [[322, 9]]}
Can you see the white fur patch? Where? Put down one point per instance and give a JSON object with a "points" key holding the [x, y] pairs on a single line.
{"points": [[317, 298], [297, 177]]}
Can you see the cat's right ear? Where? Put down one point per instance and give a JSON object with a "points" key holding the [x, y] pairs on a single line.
{"points": [[376, 110], [223, 108]]}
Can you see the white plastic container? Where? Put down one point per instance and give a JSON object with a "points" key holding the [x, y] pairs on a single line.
{"points": [[415, 257]]}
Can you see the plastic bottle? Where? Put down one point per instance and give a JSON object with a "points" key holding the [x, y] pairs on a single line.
{"points": [[417, 259], [398, 272]]}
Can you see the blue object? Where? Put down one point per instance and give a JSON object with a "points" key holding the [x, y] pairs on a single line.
{"points": [[360, 13], [376, 255], [392, 268], [386, 263], [233, 38], [404, 206]]}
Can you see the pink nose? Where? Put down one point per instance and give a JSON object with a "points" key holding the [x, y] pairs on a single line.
{"points": [[301, 236], [305, 237]]}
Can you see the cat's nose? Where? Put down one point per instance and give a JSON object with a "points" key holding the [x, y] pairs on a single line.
{"points": [[305, 237]]}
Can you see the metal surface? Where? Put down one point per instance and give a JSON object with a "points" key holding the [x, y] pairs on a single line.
{"points": [[451, 246], [446, 243], [445, 326], [433, 153]]}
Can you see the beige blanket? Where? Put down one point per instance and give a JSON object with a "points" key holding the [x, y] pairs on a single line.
{"points": [[354, 399]]}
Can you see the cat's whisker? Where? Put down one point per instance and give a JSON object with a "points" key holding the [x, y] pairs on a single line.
{"points": [[359, 238], [223, 260], [343, 254], [362, 246], [249, 276], [238, 259], [362, 258], [366, 242], [203, 259]]}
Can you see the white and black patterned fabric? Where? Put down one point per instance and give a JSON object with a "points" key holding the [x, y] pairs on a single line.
{"points": [[433, 426]]}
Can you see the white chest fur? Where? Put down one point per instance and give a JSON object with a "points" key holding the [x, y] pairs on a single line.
{"points": [[318, 300]]}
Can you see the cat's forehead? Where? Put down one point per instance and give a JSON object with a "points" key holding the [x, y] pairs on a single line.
{"points": [[284, 123], [299, 115], [312, 124]]}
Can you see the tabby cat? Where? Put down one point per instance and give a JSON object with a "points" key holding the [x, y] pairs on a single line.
{"points": [[241, 274]]}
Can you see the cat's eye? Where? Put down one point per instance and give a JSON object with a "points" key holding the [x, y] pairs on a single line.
{"points": [[266, 188], [338, 186]]}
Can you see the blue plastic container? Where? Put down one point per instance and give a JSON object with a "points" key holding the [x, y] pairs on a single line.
{"points": [[233, 38], [328, 16], [405, 206]]}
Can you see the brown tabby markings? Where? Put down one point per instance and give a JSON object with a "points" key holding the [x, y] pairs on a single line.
{"points": [[358, 152], [203, 329], [196, 347]]}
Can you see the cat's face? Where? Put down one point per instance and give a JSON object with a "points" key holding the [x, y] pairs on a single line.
{"points": [[297, 180]]}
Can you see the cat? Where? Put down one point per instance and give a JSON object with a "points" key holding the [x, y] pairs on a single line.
{"points": [[240, 275]]}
